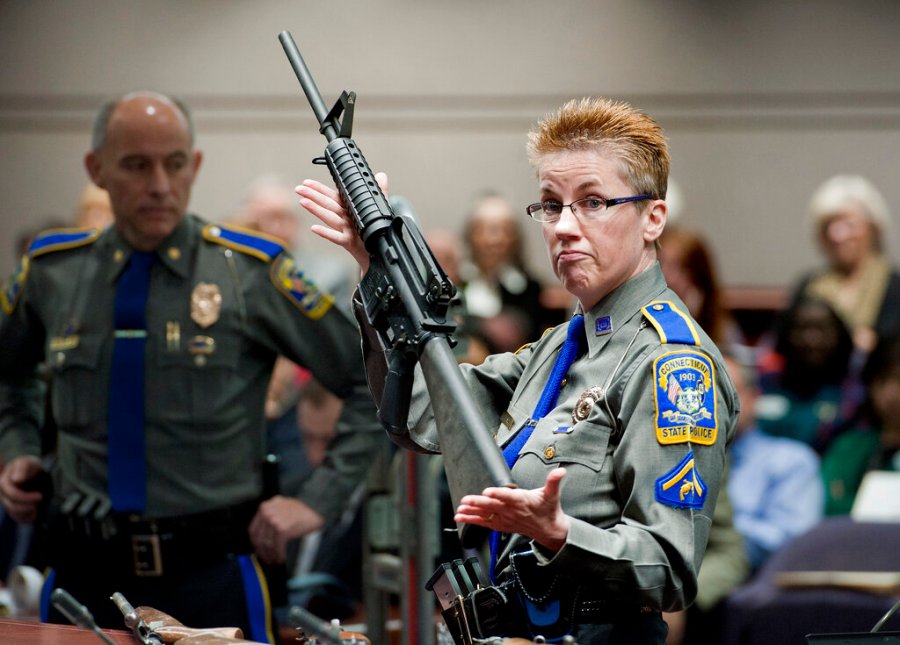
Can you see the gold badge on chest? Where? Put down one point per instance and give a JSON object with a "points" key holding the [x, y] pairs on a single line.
{"points": [[206, 304], [586, 402]]}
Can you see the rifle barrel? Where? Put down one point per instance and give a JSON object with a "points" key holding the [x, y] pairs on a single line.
{"points": [[307, 83]]}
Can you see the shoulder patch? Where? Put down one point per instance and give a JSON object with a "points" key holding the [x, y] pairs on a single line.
{"points": [[13, 286], [685, 398], [299, 289], [59, 239], [682, 486], [673, 325], [259, 245]]}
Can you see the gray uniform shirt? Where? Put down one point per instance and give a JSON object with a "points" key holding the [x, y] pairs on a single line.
{"points": [[205, 383], [623, 542]]}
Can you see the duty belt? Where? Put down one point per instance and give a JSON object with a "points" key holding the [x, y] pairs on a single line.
{"points": [[474, 610], [156, 546]]}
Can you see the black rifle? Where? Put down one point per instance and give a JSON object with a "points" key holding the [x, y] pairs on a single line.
{"points": [[406, 295]]}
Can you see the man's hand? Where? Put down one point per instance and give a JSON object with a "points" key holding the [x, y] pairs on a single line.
{"points": [[536, 514], [22, 505], [278, 521]]}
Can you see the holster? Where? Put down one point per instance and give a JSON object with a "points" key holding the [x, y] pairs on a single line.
{"points": [[546, 604], [531, 602]]}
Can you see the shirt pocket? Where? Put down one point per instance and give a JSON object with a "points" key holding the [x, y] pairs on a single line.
{"points": [[78, 386], [193, 383], [511, 424], [584, 444]]}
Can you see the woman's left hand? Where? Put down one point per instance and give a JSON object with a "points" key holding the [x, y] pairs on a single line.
{"points": [[536, 513]]}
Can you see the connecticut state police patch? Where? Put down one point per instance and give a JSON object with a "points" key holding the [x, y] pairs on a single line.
{"points": [[299, 289], [685, 398]]}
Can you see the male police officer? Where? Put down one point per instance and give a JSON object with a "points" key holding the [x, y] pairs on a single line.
{"points": [[161, 333]]}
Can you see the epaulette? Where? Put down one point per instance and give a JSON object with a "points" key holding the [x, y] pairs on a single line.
{"points": [[527, 345], [55, 239], [673, 325], [59, 239], [259, 245]]}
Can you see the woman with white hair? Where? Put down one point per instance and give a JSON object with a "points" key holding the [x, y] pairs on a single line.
{"points": [[851, 220]]}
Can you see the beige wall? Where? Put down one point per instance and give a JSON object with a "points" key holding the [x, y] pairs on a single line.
{"points": [[761, 100]]}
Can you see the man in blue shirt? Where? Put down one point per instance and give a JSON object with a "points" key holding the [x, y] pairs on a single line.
{"points": [[774, 484]]}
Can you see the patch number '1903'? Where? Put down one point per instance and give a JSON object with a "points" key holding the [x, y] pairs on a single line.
{"points": [[685, 398]]}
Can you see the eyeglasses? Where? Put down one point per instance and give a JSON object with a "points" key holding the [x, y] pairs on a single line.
{"points": [[590, 207]]}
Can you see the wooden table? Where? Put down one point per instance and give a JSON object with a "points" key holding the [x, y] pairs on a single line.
{"points": [[23, 632]]}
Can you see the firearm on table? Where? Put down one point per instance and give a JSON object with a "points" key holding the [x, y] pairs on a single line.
{"points": [[152, 627], [406, 296]]}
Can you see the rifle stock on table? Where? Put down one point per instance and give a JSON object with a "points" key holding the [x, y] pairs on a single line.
{"points": [[406, 296], [150, 626]]}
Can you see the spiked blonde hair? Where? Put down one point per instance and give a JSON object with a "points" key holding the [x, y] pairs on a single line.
{"points": [[612, 126]]}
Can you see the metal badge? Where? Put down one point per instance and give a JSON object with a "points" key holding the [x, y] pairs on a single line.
{"points": [[201, 347], [206, 304], [63, 343], [585, 402], [173, 336]]}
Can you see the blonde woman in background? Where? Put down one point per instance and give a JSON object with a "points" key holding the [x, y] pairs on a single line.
{"points": [[852, 220]]}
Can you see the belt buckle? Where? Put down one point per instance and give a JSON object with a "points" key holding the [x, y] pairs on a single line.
{"points": [[145, 550]]}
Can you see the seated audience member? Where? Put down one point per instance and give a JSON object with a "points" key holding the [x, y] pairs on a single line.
{"points": [[690, 270], [873, 443], [774, 482], [270, 206], [810, 389], [94, 209], [497, 287], [446, 247], [851, 221]]}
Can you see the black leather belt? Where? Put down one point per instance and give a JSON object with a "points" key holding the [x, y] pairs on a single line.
{"points": [[156, 546], [182, 541], [600, 612], [186, 525]]}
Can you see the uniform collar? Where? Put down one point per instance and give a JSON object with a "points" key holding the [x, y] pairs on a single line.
{"points": [[174, 253], [612, 313]]}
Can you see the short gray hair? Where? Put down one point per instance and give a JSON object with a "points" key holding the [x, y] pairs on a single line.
{"points": [[101, 122], [842, 191]]}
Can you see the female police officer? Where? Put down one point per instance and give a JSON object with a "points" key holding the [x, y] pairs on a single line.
{"points": [[638, 428]]}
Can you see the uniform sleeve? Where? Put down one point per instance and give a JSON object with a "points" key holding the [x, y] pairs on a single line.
{"points": [[22, 392], [491, 385], [652, 555], [303, 324]]}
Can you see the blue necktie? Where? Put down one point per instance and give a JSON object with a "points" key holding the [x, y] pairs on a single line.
{"points": [[125, 421], [571, 348]]}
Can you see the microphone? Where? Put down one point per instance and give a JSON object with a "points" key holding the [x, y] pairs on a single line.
{"points": [[77, 613]]}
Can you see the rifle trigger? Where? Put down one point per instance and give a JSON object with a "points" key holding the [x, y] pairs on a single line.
{"points": [[320, 161]]}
